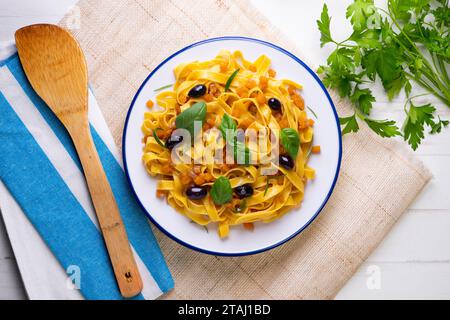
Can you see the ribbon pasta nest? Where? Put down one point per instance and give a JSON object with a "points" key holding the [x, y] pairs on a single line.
{"points": [[201, 144]]}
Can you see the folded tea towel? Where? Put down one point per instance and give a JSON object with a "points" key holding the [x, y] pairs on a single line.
{"points": [[41, 170]]}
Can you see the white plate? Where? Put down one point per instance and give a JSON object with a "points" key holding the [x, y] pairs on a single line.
{"points": [[265, 236]]}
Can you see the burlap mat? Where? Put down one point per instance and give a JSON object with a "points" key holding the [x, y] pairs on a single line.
{"points": [[125, 39]]}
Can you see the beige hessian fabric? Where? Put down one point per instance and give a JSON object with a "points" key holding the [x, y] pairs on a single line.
{"points": [[124, 40]]}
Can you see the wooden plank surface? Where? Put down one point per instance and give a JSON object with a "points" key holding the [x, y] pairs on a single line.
{"points": [[413, 261]]}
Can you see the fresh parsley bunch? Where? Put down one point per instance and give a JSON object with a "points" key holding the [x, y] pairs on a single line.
{"points": [[408, 42]]}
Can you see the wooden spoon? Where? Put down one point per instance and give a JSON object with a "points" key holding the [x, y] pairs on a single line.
{"points": [[56, 68]]}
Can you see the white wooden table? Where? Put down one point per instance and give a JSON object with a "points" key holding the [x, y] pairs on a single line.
{"points": [[414, 259]]}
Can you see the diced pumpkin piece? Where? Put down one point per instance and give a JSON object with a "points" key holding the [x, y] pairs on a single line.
{"points": [[249, 226], [199, 180], [315, 149], [208, 97], [298, 101], [272, 73], [160, 193]]}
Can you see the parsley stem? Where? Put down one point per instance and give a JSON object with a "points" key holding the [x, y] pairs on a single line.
{"points": [[434, 58], [443, 68], [425, 85], [413, 97], [436, 82], [342, 44], [418, 52], [431, 76], [431, 90], [389, 13], [360, 115]]}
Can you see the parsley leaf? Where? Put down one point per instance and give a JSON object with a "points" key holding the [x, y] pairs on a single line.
{"points": [[418, 117], [402, 9], [324, 26], [369, 38], [384, 128], [341, 81], [384, 62], [404, 46], [437, 127], [358, 12], [341, 59], [394, 87], [350, 123], [363, 99]]}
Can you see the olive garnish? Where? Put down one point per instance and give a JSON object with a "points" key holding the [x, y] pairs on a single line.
{"points": [[197, 91], [196, 192], [244, 191], [173, 141], [286, 161], [274, 104]]}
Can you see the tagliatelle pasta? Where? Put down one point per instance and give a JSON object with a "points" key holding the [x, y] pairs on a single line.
{"points": [[230, 91]]}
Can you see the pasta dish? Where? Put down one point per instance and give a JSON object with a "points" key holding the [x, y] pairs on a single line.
{"points": [[229, 142]]}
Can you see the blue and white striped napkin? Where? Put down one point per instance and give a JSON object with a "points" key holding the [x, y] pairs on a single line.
{"points": [[41, 170]]}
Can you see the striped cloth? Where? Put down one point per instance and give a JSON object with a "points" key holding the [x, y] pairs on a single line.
{"points": [[40, 168]]}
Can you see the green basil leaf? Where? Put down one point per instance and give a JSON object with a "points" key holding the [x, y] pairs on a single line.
{"points": [[239, 148], [290, 141], [157, 138], [186, 119], [227, 124], [241, 151], [230, 80], [221, 191]]}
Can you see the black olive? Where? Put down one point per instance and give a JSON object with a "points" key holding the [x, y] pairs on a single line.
{"points": [[274, 104], [197, 91], [196, 192], [173, 141], [286, 161], [244, 191]]}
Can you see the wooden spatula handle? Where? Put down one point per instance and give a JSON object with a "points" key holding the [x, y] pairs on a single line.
{"points": [[110, 221]]}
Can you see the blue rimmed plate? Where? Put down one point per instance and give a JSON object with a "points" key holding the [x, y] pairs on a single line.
{"points": [[265, 236]]}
